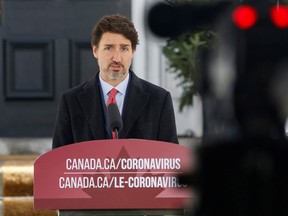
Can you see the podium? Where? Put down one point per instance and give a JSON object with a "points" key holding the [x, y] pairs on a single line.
{"points": [[113, 177]]}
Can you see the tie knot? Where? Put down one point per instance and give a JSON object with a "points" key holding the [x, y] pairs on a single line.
{"points": [[113, 92], [112, 98]]}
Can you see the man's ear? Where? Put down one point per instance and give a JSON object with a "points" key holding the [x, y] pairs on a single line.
{"points": [[95, 51]]}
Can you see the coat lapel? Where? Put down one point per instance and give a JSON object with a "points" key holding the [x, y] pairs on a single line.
{"points": [[134, 104], [91, 103]]}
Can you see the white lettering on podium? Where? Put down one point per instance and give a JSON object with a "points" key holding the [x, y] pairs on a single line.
{"points": [[153, 182], [90, 164], [121, 173], [123, 163], [76, 182], [91, 182], [119, 182], [150, 163]]}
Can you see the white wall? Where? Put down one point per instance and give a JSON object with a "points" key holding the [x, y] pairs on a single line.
{"points": [[149, 63]]}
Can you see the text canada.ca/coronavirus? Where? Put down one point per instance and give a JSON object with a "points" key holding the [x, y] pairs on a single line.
{"points": [[122, 163]]}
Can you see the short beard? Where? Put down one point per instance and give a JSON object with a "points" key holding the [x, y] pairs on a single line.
{"points": [[115, 75]]}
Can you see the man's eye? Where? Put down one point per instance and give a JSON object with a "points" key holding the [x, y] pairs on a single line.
{"points": [[124, 49], [108, 48]]}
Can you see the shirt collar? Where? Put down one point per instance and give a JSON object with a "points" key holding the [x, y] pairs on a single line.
{"points": [[121, 87]]}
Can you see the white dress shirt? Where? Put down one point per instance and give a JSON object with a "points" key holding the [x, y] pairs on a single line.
{"points": [[121, 87]]}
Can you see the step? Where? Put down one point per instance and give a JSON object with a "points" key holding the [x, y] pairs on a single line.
{"points": [[16, 186], [16, 172], [21, 206]]}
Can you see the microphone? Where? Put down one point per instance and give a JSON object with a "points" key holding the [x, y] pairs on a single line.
{"points": [[114, 118]]}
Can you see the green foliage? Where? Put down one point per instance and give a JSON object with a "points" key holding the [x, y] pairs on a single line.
{"points": [[182, 55]]}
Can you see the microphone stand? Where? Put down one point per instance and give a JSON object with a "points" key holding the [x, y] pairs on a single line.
{"points": [[117, 133]]}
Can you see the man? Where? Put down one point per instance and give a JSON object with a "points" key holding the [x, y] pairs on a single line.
{"points": [[146, 110]]}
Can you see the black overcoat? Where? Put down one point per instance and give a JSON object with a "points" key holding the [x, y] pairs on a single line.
{"points": [[147, 113]]}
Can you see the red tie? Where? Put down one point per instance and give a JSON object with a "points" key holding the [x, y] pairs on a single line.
{"points": [[112, 99], [112, 95]]}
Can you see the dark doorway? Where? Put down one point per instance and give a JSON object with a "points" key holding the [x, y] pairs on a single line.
{"points": [[45, 50]]}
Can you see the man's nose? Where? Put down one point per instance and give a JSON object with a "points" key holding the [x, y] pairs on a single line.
{"points": [[116, 56]]}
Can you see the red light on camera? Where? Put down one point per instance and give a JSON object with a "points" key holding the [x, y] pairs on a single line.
{"points": [[279, 16], [244, 16]]}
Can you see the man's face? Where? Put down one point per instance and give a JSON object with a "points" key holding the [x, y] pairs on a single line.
{"points": [[114, 55]]}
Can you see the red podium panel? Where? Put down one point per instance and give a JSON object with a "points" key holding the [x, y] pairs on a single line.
{"points": [[112, 174]]}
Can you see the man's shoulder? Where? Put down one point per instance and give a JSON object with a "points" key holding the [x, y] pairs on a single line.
{"points": [[149, 87], [74, 90], [153, 88], [79, 88]]}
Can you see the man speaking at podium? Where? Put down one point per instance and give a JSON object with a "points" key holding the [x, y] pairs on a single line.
{"points": [[146, 110]]}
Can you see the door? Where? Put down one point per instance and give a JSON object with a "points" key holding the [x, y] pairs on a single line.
{"points": [[45, 49]]}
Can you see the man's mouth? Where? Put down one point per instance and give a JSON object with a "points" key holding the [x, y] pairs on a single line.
{"points": [[116, 67]]}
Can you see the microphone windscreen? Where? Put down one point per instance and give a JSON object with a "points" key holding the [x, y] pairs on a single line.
{"points": [[114, 117]]}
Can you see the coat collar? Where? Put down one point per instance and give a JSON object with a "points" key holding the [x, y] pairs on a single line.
{"points": [[134, 104], [90, 100]]}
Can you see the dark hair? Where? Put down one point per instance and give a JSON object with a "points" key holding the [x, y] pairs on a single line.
{"points": [[115, 24]]}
